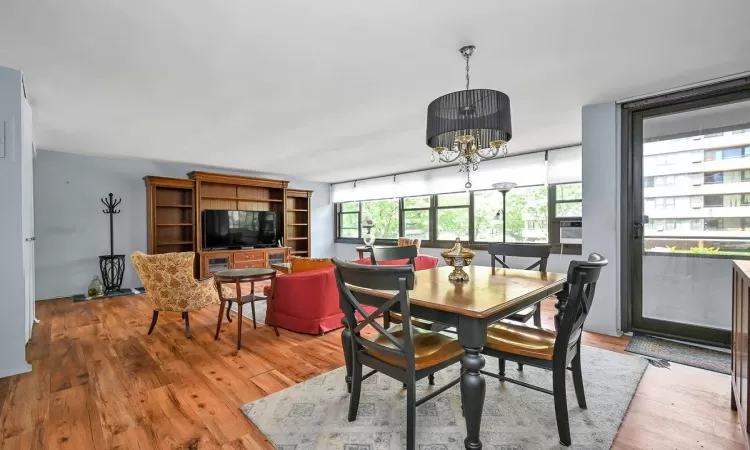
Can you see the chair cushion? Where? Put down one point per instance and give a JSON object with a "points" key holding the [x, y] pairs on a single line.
{"points": [[302, 264], [430, 348], [520, 339], [415, 321]]}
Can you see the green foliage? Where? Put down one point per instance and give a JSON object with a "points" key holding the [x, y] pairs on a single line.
{"points": [[385, 215], [704, 250]]}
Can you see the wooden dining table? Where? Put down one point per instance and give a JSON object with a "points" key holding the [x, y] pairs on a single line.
{"points": [[488, 296]]}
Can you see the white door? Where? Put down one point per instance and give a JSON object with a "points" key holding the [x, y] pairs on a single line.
{"points": [[27, 215]]}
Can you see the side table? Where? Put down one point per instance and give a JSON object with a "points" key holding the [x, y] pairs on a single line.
{"points": [[362, 250], [238, 276]]}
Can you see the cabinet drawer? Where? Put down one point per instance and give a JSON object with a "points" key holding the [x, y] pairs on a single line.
{"points": [[249, 256], [249, 264]]}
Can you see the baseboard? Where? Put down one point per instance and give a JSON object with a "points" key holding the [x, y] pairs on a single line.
{"points": [[25, 368]]}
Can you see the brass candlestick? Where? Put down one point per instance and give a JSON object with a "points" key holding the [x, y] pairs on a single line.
{"points": [[458, 257]]}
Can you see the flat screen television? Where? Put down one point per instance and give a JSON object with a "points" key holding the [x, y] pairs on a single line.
{"points": [[224, 229]]}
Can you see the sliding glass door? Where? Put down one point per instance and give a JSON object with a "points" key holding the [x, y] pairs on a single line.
{"points": [[689, 212]]}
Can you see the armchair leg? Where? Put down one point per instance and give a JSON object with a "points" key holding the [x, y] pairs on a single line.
{"points": [[188, 334], [154, 318]]}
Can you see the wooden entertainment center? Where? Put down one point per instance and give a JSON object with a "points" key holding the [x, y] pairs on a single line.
{"points": [[175, 206]]}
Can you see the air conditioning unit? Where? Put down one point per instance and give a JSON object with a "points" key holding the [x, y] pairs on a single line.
{"points": [[571, 232]]}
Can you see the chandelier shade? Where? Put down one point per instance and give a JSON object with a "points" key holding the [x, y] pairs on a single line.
{"points": [[481, 113]]}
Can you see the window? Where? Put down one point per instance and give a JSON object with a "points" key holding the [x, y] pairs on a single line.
{"points": [[712, 201], [385, 215], [729, 153], [528, 206], [734, 176], [417, 217], [669, 202], [745, 199], [713, 178], [659, 203], [696, 202], [568, 200], [670, 225], [453, 216], [530, 213], [732, 200], [648, 182], [711, 155], [696, 224], [348, 219]]}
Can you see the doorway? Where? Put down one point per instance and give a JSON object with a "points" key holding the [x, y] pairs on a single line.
{"points": [[686, 212]]}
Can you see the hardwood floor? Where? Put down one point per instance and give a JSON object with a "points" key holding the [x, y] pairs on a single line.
{"points": [[100, 382]]}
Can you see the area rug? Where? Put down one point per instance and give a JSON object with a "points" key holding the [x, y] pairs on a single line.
{"points": [[313, 415], [260, 311], [677, 352]]}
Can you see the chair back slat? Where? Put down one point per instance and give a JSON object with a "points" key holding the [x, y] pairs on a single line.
{"points": [[380, 254], [386, 278], [582, 279], [540, 251]]}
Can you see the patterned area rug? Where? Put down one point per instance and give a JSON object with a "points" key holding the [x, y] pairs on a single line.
{"points": [[313, 415], [260, 306], [677, 352]]}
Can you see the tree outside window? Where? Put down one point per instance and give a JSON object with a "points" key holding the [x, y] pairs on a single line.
{"points": [[526, 215], [453, 216], [385, 215]]}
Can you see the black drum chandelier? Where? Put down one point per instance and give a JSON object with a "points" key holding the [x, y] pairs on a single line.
{"points": [[468, 126]]}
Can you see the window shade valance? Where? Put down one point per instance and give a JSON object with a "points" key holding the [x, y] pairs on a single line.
{"points": [[525, 170]]}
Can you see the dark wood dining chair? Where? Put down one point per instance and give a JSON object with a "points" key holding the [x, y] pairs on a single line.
{"points": [[539, 251], [403, 352], [408, 252], [551, 350]]}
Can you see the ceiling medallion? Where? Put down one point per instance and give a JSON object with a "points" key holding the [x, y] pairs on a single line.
{"points": [[468, 126]]}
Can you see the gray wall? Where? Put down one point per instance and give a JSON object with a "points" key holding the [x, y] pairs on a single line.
{"points": [[12, 294], [72, 231], [601, 213]]}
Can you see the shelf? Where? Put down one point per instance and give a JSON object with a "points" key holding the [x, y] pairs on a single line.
{"points": [[239, 199], [296, 239], [174, 206], [296, 210], [296, 224], [298, 252], [175, 243], [174, 224]]}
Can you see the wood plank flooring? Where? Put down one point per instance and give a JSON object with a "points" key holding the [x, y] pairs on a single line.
{"points": [[100, 382]]}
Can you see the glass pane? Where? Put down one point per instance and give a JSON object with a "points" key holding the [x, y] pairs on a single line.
{"points": [[526, 214], [385, 215], [569, 191], [569, 209], [349, 233], [487, 204], [350, 207], [697, 208], [417, 202], [351, 221], [417, 224], [453, 223], [457, 199]]}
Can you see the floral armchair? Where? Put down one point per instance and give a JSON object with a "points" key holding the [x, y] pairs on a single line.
{"points": [[169, 282]]}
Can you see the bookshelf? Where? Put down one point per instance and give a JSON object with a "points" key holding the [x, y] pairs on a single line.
{"points": [[298, 221], [170, 214]]}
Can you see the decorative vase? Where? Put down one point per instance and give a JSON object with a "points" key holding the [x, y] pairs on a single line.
{"points": [[458, 257], [368, 237], [96, 288]]}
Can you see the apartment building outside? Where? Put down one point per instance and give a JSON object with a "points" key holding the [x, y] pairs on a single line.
{"points": [[697, 193]]}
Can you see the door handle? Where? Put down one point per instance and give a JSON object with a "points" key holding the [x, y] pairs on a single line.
{"points": [[637, 230], [31, 239]]}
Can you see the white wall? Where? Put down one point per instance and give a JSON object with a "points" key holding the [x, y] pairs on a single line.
{"points": [[601, 210], [72, 231], [12, 294]]}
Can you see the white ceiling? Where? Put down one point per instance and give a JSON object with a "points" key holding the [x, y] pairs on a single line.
{"points": [[336, 90]]}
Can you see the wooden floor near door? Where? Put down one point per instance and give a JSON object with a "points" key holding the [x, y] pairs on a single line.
{"points": [[100, 382]]}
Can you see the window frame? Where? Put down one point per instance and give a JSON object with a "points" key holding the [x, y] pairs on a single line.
{"points": [[553, 222]]}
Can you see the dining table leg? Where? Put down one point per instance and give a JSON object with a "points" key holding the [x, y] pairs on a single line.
{"points": [[472, 335], [562, 302]]}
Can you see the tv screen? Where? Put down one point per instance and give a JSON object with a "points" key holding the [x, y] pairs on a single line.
{"points": [[236, 229]]}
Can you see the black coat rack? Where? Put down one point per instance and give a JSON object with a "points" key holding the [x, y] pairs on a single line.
{"points": [[111, 266]]}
